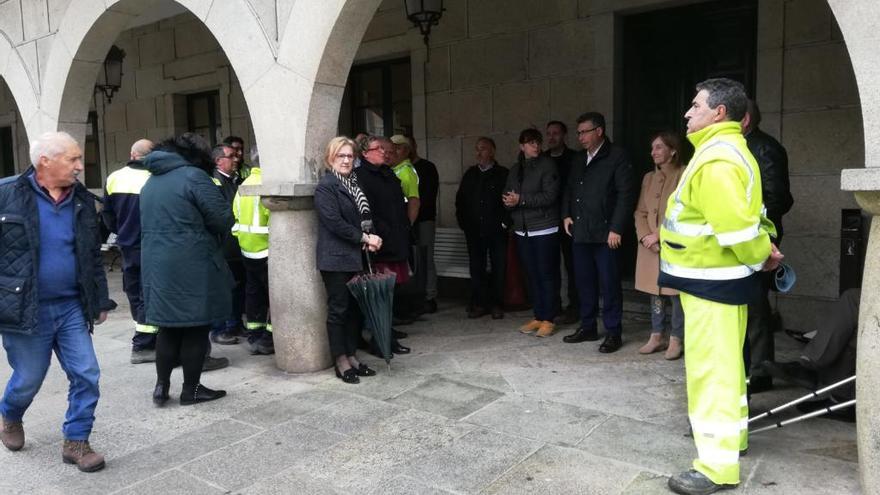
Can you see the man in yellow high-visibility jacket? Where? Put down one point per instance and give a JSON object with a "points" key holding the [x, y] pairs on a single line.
{"points": [[714, 242], [252, 229]]}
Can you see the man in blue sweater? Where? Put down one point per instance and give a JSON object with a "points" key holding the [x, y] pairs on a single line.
{"points": [[52, 291]]}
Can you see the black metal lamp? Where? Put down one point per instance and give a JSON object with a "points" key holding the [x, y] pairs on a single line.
{"points": [[424, 14], [112, 73]]}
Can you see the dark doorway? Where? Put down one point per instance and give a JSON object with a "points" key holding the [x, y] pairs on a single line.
{"points": [[665, 53], [203, 115], [7, 161]]}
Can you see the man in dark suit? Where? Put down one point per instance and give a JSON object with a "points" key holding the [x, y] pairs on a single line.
{"points": [[775, 187], [597, 207], [224, 176]]}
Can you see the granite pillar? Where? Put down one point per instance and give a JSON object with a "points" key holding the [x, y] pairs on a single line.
{"points": [[866, 185], [296, 295]]}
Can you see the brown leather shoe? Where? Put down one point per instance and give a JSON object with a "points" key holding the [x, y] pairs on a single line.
{"points": [[79, 452], [12, 435]]}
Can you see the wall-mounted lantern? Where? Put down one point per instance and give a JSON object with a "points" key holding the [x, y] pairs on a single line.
{"points": [[424, 14], [112, 73]]}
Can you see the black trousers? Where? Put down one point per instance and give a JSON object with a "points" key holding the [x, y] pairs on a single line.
{"points": [[759, 331], [131, 285], [185, 345], [343, 314], [487, 286], [256, 293], [574, 300]]}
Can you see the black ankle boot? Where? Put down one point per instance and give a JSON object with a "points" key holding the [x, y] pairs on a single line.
{"points": [[201, 393], [160, 393]]}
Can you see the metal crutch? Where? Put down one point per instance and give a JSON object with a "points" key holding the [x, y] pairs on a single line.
{"points": [[811, 395], [818, 412]]}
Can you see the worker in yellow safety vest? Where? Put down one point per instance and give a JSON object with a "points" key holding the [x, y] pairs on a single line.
{"points": [[252, 229], [715, 240]]}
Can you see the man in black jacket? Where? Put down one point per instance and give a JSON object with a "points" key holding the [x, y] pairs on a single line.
{"points": [[597, 207], [224, 175], [426, 223], [564, 157], [481, 215], [54, 291], [775, 188]]}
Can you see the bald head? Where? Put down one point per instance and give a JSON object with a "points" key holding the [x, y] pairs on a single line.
{"points": [[141, 148]]}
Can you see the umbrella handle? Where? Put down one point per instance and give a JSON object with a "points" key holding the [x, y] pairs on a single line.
{"points": [[369, 264]]}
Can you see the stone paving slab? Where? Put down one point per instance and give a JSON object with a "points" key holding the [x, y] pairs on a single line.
{"points": [[472, 462], [476, 408], [557, 470]]}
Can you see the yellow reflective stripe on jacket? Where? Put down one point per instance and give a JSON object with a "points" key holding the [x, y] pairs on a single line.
{"points": [[720, 185], [127, 180], [252, 221]]}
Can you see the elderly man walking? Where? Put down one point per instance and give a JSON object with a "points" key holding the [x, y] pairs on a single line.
{"points": [[715, 242], [54, 291]]}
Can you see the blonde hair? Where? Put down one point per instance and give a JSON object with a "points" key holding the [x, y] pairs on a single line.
{"points": [[334, 146]]}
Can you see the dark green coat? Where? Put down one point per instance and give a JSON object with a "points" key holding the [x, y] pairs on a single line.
{"points": [[184, 220]]}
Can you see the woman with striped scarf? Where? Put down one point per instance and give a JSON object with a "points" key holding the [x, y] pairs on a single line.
{"points": [[344, 230]]}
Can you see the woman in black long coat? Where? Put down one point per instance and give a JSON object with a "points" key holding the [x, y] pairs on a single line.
{"points": [[344, 230], [186, 282]]}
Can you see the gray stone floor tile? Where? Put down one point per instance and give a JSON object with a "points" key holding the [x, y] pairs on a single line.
{"points": [[799, 474], [642, 444], [269, 414], [446, 397], [402, 485], [491, 381], [172, 483], [590, 376], [153, 459], [472, 462], [545, 421], [553, 470], [290, 481], [384, 385], [349, 415], [375, 455], [648, 484], [241, 464]]}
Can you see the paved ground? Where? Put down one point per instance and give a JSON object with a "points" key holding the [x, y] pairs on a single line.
{"points": [[477, 408]]}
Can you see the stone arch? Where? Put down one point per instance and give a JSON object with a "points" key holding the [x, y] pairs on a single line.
{"points": [[89, 28], [14, 72], [322, 53]]}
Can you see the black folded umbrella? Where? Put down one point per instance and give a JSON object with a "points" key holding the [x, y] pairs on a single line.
{"points": [[374, 293]]}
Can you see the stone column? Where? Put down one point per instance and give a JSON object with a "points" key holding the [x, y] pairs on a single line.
{"points": [[296, 295], [866, 185]]}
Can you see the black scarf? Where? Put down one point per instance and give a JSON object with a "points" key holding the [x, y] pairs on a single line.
{"points": [[351, 185]]}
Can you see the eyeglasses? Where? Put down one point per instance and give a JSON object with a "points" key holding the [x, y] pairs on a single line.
{"points": [[229, 157], [374, 149], [345, 156], [586, 131]]}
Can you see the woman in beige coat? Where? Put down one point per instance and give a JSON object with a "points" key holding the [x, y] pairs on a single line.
{"points": [[667, 150]]}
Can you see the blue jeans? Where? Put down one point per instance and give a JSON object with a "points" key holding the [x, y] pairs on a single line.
{"points": [[62, 327], [595, 266], [540, 256]]}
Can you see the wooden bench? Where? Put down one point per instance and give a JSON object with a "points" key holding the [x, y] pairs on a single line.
{"points": [[450, 253]]}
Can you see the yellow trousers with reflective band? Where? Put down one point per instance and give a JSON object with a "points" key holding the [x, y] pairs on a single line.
{"points": [[716, 385]]}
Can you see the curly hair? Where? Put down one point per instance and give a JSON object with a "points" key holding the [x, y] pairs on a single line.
{"points": [[192, 147]]}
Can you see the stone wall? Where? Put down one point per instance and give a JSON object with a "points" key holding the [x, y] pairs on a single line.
{"points": [[809, 98], [497, 66], [164, 61]]}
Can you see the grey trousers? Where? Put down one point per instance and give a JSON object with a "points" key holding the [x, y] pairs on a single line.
{"points": [[426, 234], [832, 352], [658, 315]]}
